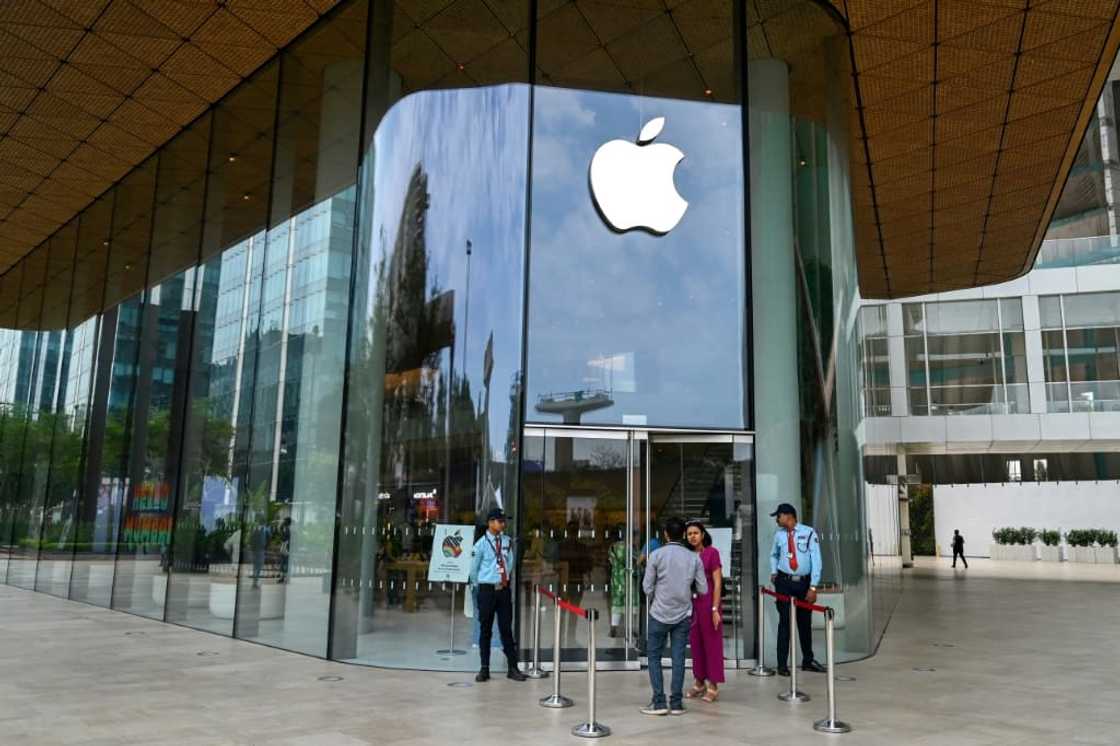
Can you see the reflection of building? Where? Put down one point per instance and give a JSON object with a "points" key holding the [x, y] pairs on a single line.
{"points": [[274, 338]]}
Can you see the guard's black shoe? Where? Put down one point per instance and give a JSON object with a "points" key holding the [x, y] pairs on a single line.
{"points": [[483, 675], [783, 671], [516, 675], [813, 667]]}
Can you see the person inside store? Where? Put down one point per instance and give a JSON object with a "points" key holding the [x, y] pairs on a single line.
{"points": [[491, 574], [705, 634], [673, 574], [795, 570]]}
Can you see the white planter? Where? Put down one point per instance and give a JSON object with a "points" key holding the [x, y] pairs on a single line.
{"points": [[1016, 552], [1050, 554], [223, 597], [1084, 555], [1105, 555]]}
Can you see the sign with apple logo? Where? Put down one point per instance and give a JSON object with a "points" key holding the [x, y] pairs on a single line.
{"points": [[632, 183]]}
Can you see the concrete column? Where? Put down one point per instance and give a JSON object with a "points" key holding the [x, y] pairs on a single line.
{"points": [[896, 355], [774, 296], [1036, 371]]}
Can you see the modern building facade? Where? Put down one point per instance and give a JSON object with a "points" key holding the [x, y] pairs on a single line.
{"points": [[377, 288]]}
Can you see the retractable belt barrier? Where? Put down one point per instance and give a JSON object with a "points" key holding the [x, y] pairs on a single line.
{"points": [[556, 700], [828, 724]]}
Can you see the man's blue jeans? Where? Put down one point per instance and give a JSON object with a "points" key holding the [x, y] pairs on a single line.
{"points": [[677, 635]]}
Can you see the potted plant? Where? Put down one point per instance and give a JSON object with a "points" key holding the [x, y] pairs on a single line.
{"points": [[1014, 544], [1080, 543], [1050, 551], [1105, 551]]}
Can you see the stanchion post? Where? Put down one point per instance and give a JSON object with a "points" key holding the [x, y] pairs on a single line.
{"points": [[591, 729], [556, 700], [535, 671], [830, 724], [760, 668], [793, 696]]}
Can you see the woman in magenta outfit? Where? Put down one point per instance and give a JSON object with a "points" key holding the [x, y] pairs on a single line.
{"points": [[706, 635]]}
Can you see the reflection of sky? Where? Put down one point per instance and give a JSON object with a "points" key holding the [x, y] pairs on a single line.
{"points": [[673, 305], [473, 145]]}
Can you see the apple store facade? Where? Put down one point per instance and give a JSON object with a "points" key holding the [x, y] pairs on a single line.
{"points": [[590, 262]]}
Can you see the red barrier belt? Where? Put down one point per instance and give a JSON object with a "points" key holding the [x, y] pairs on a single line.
{"points": [[566, 606], [797, 601], [780, 596]]}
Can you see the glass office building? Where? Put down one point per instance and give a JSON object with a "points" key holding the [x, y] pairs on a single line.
{"points": [[374, 290]]}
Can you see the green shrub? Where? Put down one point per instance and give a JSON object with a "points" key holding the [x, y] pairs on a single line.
{"points": [[1106, 538], [1050, 537], [1080, 537], [1027, 535], [1005, 536]]}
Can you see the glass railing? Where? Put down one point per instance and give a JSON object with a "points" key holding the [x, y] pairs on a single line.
{"points": [[1078, 252]]}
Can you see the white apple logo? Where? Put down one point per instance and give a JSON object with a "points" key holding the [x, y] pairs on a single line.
{"points": [[632, 184]]}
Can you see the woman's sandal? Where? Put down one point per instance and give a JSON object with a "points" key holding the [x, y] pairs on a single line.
{"points": [[696, 691], [710, 695]]}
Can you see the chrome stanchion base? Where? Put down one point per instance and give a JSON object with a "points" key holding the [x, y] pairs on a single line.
{"points": [[591, 730], [556, 701], [794, 697], [536, 673], [832, 726], [761, 670]]}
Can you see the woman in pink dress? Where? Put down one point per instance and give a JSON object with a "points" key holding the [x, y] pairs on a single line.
{"points": [[706, 635]]}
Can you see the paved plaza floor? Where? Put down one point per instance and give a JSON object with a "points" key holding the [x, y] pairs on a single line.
{"points": [[984, 656]]}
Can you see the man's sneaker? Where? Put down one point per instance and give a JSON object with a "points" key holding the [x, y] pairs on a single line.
{"points": [[654, 709], [813, 667], [783, 670], [483, 675], [676, 709], [516, 675]]}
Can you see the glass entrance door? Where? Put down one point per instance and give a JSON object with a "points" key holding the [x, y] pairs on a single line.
{"points": [[582, 493], [592, 506]]}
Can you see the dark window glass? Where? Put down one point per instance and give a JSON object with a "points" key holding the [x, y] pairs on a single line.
{"points": [[11, 413]]}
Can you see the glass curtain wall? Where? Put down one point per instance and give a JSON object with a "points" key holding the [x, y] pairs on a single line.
{"points": [[11, 431], [1081, 351], [60, 512], [31, 434], [874, 361], [433, 390], [968, 356]]}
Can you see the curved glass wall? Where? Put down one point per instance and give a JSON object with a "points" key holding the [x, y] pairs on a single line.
{"points": [[242, 388]]}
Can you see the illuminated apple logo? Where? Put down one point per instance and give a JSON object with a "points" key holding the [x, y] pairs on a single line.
{"points": [[632, 184]]}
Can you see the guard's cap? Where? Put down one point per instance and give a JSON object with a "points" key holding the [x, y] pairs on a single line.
{"points": [[496, 514], [785, 508]]}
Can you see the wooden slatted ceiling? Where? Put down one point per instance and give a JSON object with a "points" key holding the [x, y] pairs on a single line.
{"points": [[90, 88], [970, 114]]}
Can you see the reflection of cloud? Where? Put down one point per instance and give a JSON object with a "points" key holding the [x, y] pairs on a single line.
{"points": [[672, 304], [565, 110]]}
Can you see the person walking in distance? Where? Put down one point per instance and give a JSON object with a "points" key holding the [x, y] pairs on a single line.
{"points": [[958, 548], [491, 571], [706, 632], [795, 570], [673, 573]]}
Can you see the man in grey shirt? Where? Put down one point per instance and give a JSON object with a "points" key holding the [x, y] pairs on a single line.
{"points": [[673, 574]]}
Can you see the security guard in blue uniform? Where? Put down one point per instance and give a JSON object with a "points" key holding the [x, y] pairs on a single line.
{"points": [[795, 570], [491, 573]]}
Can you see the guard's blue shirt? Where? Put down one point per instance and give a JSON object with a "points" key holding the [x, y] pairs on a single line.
{"points": [[807, 546], [484, 563]]}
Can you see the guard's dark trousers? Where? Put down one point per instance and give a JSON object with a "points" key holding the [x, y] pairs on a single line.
{"points": [[797, 588], [959, 553], [493, 601]]}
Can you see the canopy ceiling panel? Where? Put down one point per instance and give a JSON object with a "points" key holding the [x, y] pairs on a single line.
{"points": [[90, 88], [970, 116]]}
